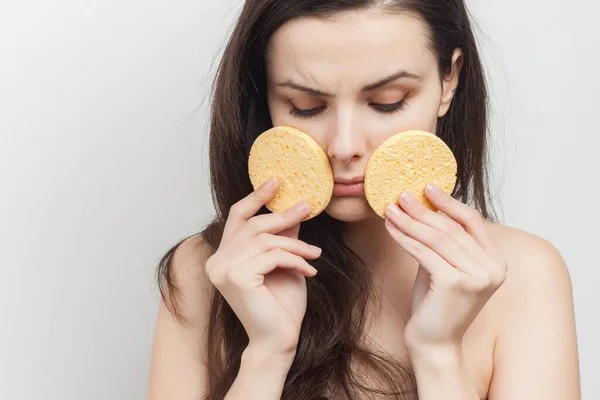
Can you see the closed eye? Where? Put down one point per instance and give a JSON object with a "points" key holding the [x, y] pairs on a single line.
{"points": [[381, 108], [389, 108], [297, 112]]}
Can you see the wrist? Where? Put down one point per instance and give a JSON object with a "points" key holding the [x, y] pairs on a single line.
{"points": [[264, 357], [440, 373], [262, 374], [448, 355]]}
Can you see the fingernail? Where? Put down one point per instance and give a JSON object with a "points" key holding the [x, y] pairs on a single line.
{"points": [[433, 189], [269, 183], [300, 207], [393, 210], [315, 249], [407, 198]]}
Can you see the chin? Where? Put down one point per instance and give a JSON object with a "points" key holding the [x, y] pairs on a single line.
{"points": [[349, 209]]}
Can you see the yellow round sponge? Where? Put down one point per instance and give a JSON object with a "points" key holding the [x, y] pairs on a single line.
{"points": [[408, 161], [300, 164]]}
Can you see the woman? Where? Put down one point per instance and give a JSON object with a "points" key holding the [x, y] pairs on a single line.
{"points": [[446, 305]]}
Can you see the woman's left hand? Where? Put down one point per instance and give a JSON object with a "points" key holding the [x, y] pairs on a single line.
{"points": [[459, 267]]}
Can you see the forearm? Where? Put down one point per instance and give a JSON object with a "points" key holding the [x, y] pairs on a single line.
{"points": [[261, 375], [441, 375]]}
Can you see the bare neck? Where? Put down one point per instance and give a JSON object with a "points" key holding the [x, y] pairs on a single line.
{"points": [[371, 241]]}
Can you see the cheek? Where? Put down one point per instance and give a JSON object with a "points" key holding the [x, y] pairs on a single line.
{"points": [[422, 110]]}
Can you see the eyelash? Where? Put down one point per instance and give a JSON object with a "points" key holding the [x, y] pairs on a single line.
{"points": [[381, 108]]}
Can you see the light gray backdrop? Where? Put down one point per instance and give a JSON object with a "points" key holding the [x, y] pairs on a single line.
{"points": [[103, 166]]}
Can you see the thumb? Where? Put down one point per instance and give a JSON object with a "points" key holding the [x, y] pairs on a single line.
{"points": [[421, 287]]}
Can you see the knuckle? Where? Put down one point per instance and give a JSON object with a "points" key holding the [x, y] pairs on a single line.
{"points": [[253, 224], [410, 224], [454, 229], [455, 281], [446, 200], [211, 261], [416, 247], [485, 282], [277, 253], [472, 215], [503, 265], [488, 282], [498, 279], [438, 237], [260, 197], [288, 258], [264, 239], [215, 275], [499, 275], [420, 213], [236, 209]]}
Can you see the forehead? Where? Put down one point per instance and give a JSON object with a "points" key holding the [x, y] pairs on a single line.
{"points": [[356, 46]]}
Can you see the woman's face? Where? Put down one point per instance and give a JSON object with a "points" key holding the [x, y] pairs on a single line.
{"points": [[352, 82]]}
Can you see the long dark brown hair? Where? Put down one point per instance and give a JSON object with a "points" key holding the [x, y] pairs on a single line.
{"points": [[331, 338]]}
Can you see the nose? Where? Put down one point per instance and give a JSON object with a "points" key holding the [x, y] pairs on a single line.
{"points": [[347, 143]]}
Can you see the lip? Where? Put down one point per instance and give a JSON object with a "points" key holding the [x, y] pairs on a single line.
{"points": [[349, 181], [354, 187]]}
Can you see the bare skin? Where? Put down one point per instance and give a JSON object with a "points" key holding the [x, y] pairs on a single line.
{"points": [[522, 342]]}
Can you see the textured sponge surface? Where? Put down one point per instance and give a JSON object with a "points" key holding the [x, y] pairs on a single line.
{"points": [[300, 164], [408, 161]]}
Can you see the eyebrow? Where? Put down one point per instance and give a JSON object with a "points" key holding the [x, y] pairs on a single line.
{"points": [[367, 88]]}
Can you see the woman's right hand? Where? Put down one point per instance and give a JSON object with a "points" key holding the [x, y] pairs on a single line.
{"points": [[260, 270]]}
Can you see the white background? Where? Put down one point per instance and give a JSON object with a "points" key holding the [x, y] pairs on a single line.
{"points": [[103, 166]]}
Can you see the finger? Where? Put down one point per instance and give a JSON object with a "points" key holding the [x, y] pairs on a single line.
{"points": [[436, 240], [247, 207], [427, 258], [266, 242], [278, 258], [274, 222], [291, 232], [453, 229], [466, 216]]}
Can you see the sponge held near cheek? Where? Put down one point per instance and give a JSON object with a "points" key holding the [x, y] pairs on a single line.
{"points": [[299, 162], [408, 161]]}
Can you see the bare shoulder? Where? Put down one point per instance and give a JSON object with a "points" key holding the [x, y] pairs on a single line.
{"points": [[189, 259], [179, 351], [185, 281], [191, 252], [535, 351], [526, 252], [536, 269]]}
